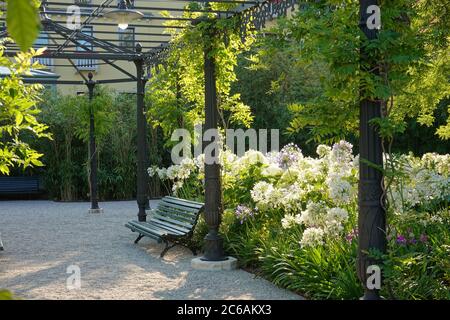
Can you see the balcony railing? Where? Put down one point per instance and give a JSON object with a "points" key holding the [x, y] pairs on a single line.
{"points": [[46, 62], [86, 64]]}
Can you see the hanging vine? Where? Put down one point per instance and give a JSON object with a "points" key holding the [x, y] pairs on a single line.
{"points": [[176, 90]]}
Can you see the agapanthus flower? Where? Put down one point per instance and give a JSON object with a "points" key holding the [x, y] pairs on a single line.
{"points": [[401, 239], [152, 171], [423, 238], [312, 237], [323, 150], [351, 235], [162, 173], [342, 151], [289, 155], [243, 213]]}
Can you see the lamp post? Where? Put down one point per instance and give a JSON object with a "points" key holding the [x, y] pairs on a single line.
{"points": [[142, 145], [124, 15], [92, 150], [372, 215]]}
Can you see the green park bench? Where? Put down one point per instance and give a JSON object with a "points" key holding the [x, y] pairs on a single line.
{"points": [[19, 185], [172, 222]]}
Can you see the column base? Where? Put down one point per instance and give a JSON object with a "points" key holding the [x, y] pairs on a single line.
{"points": [[371, 295], [230, 263], [95, 211]]}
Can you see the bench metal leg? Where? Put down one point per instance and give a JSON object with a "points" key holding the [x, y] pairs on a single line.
{"points": [[138, 238], [192, 246], [167, 248]]}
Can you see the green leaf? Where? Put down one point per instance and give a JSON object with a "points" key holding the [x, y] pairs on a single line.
{"points": [[6, 295], [37, 162], [19, 118], [22, 22]]}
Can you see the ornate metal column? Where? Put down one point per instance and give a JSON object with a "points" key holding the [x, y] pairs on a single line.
{"points": [[92, 150], [142, 145], [372, 215], [213, 193]]}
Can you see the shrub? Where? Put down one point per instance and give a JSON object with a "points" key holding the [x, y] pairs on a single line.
{"points": [[293, 219]]}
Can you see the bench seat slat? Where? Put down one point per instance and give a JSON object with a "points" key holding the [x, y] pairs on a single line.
{"points": [[160, 228], [134, 228], [152, 228]]}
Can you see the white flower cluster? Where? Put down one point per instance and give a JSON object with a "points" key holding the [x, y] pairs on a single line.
{"points": [[422, 181], [333, 175], [176, 173], [438, 162], [313, 192], [312, 237], [319, 221]]}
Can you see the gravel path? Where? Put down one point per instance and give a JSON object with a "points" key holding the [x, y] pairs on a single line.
{"points": [[43, 238]]}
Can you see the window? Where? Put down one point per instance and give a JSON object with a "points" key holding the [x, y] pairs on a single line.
{"points": [[86, 64], [127, 38], [41, 42]]}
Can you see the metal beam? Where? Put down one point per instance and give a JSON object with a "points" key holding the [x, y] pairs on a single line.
{"points": [[79, 55], [105, 60], [76, 32], [107, 46]]}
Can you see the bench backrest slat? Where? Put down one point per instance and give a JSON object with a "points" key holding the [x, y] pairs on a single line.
{"points": [[184, 203], [179, 214], [167, 218], [176, 215], [179, 206]]}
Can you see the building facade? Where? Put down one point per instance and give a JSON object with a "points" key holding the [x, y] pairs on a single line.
{"points": [[144, 31]]}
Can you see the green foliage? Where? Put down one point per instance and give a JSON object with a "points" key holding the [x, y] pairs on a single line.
{"points": [[66, 157], [18, 113], [410, 57], [270, 80], [419, 266], [22, 19], [104, 114], [326, 272], [269, 208], [175, 97], [6, 295]]}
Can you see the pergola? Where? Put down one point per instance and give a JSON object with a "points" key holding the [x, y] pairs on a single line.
{"points": [[103, 46]]}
